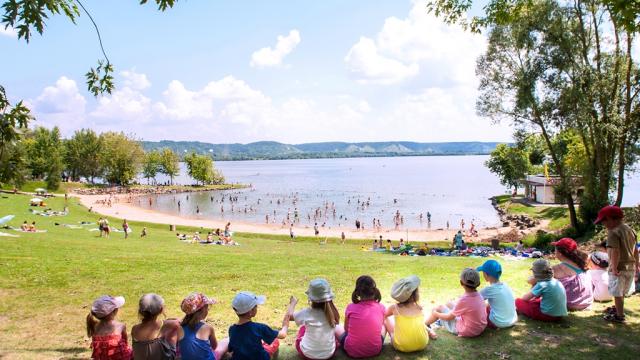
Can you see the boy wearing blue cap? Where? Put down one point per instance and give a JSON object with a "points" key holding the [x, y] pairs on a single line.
{"points": [[501, 311]]}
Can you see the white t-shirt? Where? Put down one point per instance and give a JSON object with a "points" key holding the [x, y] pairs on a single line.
{"points": [[319, 341], [600, 281]]}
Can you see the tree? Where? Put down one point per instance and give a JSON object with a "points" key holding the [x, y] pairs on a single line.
{"points": [[44, 155], [509, 163], [82, 155], [13, 122], [201, 169], [151, 165], [121, 158], [169, 163]]}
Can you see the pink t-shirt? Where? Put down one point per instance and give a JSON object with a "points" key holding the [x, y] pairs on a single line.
{"points": [[363, 332], [471, 315]]}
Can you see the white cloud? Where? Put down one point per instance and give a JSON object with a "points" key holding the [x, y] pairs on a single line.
{"points": [[8, 31], [134, 80], [268, 56], [418, 44], [125, 104], [60, 105]]}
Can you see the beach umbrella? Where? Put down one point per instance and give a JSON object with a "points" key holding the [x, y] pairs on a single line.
{"points": [[36, 200], [6, 219]]}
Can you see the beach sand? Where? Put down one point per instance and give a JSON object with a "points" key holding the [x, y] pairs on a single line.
{"points": [[125, 210]]}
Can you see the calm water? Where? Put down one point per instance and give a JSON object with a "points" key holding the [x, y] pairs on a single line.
{"points": [[451, 188]]}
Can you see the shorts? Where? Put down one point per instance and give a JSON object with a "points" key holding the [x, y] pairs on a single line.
{"points": [[531, 309], [272, 348], [619, 285], [299, 337], [450, 325], [343, 340]]}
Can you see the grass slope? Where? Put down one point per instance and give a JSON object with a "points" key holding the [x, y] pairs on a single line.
{"points": [[48, 280]]}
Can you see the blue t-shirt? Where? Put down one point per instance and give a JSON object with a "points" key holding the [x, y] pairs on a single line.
{"points": [[245, 341], [503, 306], [554, 297]]}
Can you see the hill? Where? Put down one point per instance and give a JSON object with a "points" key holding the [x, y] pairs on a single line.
{"points": [[272, 150]]}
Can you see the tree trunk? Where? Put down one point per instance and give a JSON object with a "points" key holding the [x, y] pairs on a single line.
{"points": [[627, 122]]}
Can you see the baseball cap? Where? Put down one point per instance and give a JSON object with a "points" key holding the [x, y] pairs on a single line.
{"points": [[609, 211], [491, 268], [601, 259], [566, 243], [470, 278], [319, 290], [194, 302], [403, 288], [151, 304], [542, 270], [244, 301], [105, 305]]}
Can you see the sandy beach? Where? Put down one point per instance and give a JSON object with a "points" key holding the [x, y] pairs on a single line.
{"points": [[125, 210]]}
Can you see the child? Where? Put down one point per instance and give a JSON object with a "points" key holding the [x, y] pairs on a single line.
{"points": [[598, 263], [388, 246], [196, 338], [501, 311], [154, 339], [467, 317], [547, 300], [249, 340], [407, 328], [108, 336], [143, 233], [319, 324], [364, 321], [623, 258]]}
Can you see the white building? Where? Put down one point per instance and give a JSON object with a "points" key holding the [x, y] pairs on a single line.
{"points": [[542, 190]]}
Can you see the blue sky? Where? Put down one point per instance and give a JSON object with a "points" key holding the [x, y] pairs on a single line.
{"points": [[242, 71]]}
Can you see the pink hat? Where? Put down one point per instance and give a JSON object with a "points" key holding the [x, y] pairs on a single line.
{"points": [[105, 305], [194, 302], [609, 211]]}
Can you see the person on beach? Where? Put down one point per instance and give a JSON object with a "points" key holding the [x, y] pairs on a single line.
{"points": [[458, 240], [125, 228], [547, 300], [227, 232], [343, 238], [404, 321], [250, 340], [467, 316], [598, 264], [320, 328], [196, 338], [143, 233], [316, 231], [501, 310], [623, 259], [572, 273], [291, 234], [364, 321], [108, 336], [154, 339]]}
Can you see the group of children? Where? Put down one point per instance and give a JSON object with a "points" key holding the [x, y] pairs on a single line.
{"points": [[554, 291]]}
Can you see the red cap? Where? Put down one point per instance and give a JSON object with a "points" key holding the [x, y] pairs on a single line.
{"points": [[566, 243], [609, 211]]}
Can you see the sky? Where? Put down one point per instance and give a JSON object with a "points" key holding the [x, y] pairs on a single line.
{"points": [[243, 71]]}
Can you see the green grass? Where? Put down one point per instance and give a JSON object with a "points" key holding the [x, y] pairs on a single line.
{"points": [[558, 216], [48, 280]]}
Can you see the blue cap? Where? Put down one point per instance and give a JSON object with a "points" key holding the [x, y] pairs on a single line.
{"points": [[491, 268]]}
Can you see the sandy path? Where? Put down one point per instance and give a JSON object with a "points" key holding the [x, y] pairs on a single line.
{"points": [[125, 210]]}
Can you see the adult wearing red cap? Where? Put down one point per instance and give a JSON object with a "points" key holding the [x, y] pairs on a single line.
{"points": [[623, 258], [572, 273]]}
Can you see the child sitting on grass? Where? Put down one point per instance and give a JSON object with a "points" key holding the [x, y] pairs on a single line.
{"points": [[364, 321], [547, 300], [501, 311], [405, 320], [154, 339], [108, 336], [466, 317], [319, 331], [249, 340], [598, 264], [196, 338]]}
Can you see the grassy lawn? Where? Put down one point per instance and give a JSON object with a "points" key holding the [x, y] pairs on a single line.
{"points": [[558, 216], [48, 280]]}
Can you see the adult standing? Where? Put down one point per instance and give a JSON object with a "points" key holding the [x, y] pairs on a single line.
{"points": [[125, 228], [572, 273]]}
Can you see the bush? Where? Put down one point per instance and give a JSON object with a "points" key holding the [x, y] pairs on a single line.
{"points": [[543, 240]]}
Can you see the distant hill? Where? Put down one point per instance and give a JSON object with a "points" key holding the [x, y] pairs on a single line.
{"points": [[272, 150]]}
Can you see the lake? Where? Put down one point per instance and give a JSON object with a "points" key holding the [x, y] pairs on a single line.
{"points": [[337, 192]]}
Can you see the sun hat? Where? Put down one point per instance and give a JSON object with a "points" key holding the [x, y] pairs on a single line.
{"points": [[491, 268], [194, 302], [470, 277], [402, 289], [244, 301], [319, 290], [600, 258], [609, 211], [105, 305], [566, 243], [151, 304], [542, 270]]}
